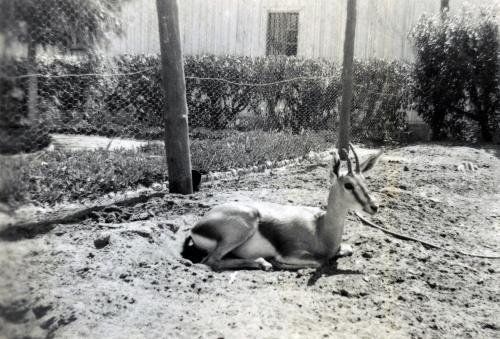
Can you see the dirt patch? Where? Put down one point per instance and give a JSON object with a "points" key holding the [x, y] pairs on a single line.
{"points": [[134, 284]]}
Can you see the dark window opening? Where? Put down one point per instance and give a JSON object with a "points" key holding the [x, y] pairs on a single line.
{"points": [[282, 34]]}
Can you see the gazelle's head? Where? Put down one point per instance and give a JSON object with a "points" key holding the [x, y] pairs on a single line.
{"points": [[350, 189]]}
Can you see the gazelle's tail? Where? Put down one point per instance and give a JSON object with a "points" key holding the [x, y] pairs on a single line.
{"points": [[191, 252]]}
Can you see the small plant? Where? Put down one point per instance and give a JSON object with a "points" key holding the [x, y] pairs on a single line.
{"points": [[13, 188], [63, 175]]}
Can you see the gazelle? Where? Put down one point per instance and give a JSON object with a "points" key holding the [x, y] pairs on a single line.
{"points": [[259, 235]]}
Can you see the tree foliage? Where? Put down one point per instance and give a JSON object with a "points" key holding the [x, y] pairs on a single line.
{"points": [[457, 73], [60, 23]]}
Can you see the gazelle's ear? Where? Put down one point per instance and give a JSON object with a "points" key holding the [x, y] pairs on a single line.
{"points": [[370, 162], [334, 167]]}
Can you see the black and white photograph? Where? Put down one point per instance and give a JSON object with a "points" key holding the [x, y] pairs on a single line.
{"points": [[232, 169]]}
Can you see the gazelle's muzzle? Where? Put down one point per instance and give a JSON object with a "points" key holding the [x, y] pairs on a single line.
{"points": [[370, 207]]}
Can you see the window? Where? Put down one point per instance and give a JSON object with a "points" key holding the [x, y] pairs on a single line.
{"points": [[282, 33]]}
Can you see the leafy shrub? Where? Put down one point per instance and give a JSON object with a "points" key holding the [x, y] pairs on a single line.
{"points": [[215, 104], [268, 93], [63, 98], [134, 100], [382, 93], [19, 139], [303, 95], [457, 72], [12, 189], [13, 100]]}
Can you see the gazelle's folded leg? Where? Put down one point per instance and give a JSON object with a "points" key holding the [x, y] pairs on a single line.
{"points": [[344, 251], [236, 232], [296, 261]]}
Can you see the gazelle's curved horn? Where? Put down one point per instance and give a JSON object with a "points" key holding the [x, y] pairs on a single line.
{"points": [[358, 169], [349, 164]]}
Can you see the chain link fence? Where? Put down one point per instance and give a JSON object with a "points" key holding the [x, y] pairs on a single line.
{"points": [[58, 90]]}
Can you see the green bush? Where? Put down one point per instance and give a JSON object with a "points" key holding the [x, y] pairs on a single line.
{"points": [[267, 93], [19, 139], [303, 95], [382, 93], [215, 104], [457, 73], [13, 100]]}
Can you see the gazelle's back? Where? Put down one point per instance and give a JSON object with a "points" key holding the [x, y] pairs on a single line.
{"points": [[267, 213]]}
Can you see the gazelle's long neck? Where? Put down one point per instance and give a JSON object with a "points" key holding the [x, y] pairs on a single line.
{"points": [[331, 229]]}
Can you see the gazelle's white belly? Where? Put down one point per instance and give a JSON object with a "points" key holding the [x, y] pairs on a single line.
{"points": [[255, 247]]}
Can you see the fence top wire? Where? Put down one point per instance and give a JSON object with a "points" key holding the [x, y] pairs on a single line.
{"points": [[39, 75]]}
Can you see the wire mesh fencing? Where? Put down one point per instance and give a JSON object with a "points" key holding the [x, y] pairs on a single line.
{"points": [[59, 91], [123, 97]]}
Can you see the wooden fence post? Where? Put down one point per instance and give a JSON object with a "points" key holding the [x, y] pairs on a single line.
{"points": [[445, 7], [175, 109], [347, 71], [33, 116]]}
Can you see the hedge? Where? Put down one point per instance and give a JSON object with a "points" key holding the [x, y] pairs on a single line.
{"points": [[267, 93]]}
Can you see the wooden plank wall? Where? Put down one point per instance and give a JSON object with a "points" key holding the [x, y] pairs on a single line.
{"points": [[239, 27]]}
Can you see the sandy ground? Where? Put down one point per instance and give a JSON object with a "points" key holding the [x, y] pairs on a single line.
{"points": [[59, 285]]}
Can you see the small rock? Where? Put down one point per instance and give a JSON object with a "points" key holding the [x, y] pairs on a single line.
{"points": [[102, 240], [46, 324], [344, 293], [431, 284], [157, 187], [41, 310], [140, 216], [406, 169], [367, 255], [171, 226], [491, 326]]}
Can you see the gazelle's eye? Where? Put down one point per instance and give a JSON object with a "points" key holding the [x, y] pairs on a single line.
{"points": [[349, 186]]}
